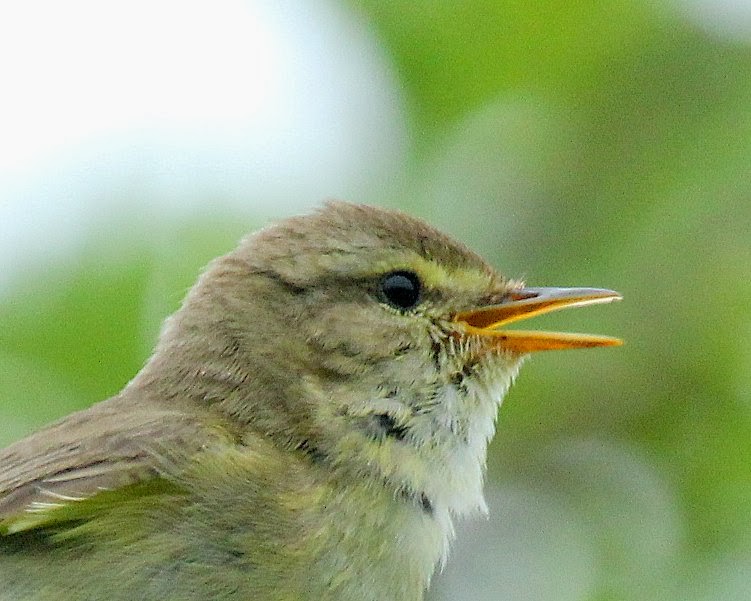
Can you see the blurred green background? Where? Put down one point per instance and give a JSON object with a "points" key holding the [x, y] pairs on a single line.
{"points": [[572, 143]]}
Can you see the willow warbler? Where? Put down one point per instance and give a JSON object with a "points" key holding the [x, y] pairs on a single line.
{"points": [[310, 422]]}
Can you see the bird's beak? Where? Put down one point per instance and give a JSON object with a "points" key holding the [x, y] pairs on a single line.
{"points": [[528, 302]]}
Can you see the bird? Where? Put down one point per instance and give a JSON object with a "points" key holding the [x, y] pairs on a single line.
{"points": [[312, 421]]}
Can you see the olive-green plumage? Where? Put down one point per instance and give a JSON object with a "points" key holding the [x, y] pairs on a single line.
{"points": [[296, 435]]}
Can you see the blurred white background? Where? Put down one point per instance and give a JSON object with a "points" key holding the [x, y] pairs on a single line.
{"points": [[153, 110]]}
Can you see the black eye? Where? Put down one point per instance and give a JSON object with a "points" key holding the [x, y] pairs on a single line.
{"points": [[401, 289]]}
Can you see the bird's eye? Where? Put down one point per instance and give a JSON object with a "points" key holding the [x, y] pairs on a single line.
{"points": [[401, 289]]}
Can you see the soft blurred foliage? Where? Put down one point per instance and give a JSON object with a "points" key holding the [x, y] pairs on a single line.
{"points": [[573, 143]]}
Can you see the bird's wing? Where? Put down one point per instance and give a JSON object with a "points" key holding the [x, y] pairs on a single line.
{"points": [[111, 446]]}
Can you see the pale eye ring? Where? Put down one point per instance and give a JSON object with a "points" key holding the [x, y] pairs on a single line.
{"points": [[401, 289]]}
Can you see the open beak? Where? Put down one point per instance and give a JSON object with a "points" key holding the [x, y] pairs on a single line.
{"points": [[528, 302]]}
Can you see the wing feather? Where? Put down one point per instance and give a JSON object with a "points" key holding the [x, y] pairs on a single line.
{"points": [[112, 445]]}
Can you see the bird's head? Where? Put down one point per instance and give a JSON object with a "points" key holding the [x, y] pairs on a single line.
{"points": [[368, 340]]}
